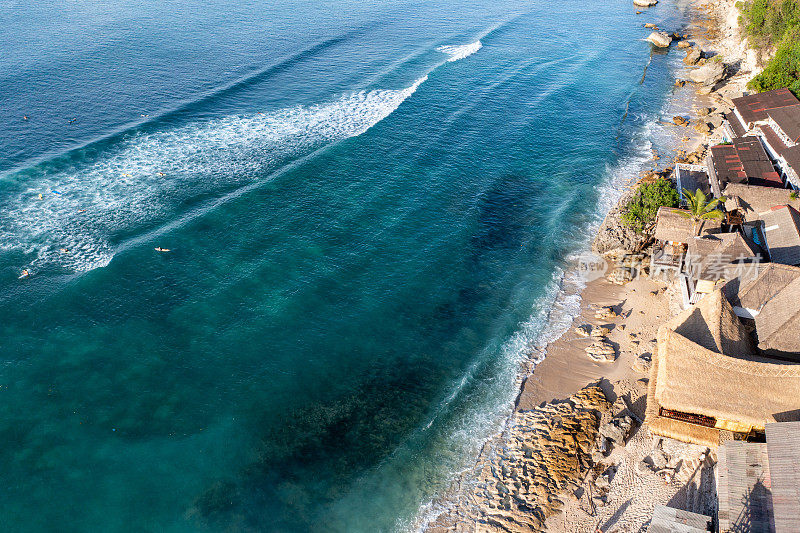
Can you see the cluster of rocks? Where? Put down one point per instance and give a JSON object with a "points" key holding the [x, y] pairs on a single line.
{"points": [[545, 459], [658, 461], [645, 3], [601, 349]]}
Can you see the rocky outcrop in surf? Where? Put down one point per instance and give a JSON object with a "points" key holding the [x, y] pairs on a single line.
{"points": [[548, 455], [660, 38]]}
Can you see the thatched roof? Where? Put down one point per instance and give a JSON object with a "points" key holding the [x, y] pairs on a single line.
{"points": [[778, 323], [705, 365], [713, 325], [753, 200], [772, 299], [748, 390], [671, 225], [708, 255], [669, 427], [782, 233]]}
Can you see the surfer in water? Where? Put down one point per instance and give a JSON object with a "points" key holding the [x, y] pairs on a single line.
{"points": [[160, 249], [25, 274]]}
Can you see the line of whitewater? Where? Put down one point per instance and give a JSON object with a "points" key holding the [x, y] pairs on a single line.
{"points": [[139, 179]]}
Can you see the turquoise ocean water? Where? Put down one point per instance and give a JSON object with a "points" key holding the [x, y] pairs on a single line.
{"points": [[369, 207]]}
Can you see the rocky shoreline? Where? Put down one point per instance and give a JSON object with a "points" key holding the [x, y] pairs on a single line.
{"points": [[586, 462]]}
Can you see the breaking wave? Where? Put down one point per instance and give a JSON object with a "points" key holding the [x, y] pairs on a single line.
{"points": [[85, 200], [457, 52]]}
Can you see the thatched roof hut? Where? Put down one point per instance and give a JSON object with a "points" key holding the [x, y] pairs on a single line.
{"points": [[752, 201], [783, 452], [672, 225], [705, 378]]}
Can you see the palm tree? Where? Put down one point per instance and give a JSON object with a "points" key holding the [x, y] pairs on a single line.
{"points": [[700, 209]]}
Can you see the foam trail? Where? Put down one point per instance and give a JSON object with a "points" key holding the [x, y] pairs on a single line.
{"points": [[146, 175], [457, 52]]}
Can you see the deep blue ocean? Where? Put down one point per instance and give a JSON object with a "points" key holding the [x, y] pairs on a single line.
{"points": [[369, 207]]}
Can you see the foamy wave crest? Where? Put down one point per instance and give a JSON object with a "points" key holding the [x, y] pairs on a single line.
{"points": [[457, 52], [145, 176]]}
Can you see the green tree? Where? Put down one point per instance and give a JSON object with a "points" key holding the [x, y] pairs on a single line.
{"points": [[700, 209], [640, 211]]}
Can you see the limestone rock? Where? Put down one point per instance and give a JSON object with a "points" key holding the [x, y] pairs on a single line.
{"points": [[650, 25], [660, 39], [645, 3], [622, 275], [693, 55], [702, 127], [703, 111], [680, 121], [680, 83], [605, 312], [684, 44], [601, 351], [643, 363], [709, 74]]}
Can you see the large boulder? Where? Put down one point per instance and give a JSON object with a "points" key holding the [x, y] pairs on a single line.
{"points": [[602, 351], [660, 39], [693, 55], [645, 3], [709, 74]]}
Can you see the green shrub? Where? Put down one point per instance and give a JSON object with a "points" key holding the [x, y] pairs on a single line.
{"points": [[783, 70], [640, 211], [794, 195], [767, 22]]}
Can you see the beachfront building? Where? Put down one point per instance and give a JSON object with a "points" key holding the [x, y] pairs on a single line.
{"points": [[707, 383], [766, 300], [691, 177], [752, 202], [672, 235], [758, 484], [780, 135], [712, 258], [753, 109], [743, 162]]}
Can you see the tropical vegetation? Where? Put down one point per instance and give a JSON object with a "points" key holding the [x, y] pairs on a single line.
{"points": [[640, 211], [774, 25], [700, 209]]}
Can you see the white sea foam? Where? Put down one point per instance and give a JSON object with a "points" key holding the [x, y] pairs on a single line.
{"points": [[457, 52], [144, 176]]}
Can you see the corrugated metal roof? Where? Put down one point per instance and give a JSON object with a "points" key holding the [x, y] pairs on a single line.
{"points": [[788, 119], [669, 520], [744, 161], [744, 487], [783, 450], [782, 233], [754, 107]]}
